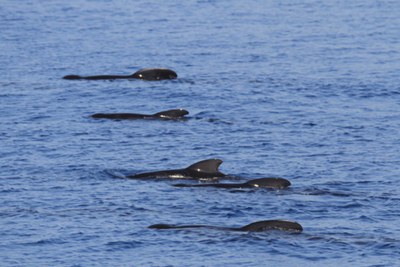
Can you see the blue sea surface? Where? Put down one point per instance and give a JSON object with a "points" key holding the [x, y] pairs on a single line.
{"points": [[305, 90]]}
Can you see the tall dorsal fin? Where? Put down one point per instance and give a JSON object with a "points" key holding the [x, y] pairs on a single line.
{"points": [[208, 166], [172, 113]]}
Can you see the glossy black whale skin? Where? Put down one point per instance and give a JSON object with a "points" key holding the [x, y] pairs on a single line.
{"points": [[258, 226], [271, 183], [205, 169], [172, 114], [148, 74]]}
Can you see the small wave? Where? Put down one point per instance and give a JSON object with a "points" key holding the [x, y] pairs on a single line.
{"points": [[42, 242], [115, 174], [118, 245]]}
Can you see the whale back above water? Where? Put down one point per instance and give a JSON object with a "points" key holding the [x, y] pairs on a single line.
{"points": [[172, 114], [258, 226], [271, 183], [97, 77], [148, 74], [205, 169]]}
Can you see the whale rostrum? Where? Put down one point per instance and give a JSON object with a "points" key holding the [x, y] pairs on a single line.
{"points": [[258, 226], [205, 169], [172, 114]]}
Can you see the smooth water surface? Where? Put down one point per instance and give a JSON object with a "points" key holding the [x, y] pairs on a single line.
{"points": [[305, 90]]}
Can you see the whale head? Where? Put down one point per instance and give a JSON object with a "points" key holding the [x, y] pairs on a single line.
{"points": [[272, 225], [276, 183], [155, 74], [171, 114]]}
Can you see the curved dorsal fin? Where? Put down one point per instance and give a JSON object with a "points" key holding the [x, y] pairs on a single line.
{"points": [[172, 113], [208, 166]]}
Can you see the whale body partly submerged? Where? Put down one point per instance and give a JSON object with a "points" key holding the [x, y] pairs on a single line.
{"points": [[259, 226], [271, 183], [172, 114], [205, 169], [148, 74]]}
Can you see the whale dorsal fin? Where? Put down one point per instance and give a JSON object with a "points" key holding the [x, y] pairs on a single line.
{"points": [[208, 166], [172, 113]]}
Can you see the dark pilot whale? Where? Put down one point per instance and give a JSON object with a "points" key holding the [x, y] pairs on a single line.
{"points": [[252, 227], [148, 74], [172, 114], [272, 183], [205, 169]]}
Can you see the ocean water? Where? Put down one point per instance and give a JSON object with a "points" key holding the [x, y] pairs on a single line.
{"points": [[306, 90]]}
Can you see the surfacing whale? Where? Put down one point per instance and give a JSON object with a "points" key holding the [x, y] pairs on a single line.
{"points": [[205, 169], [172, 114], [272, 183], [148, 74], [259, 226]]}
